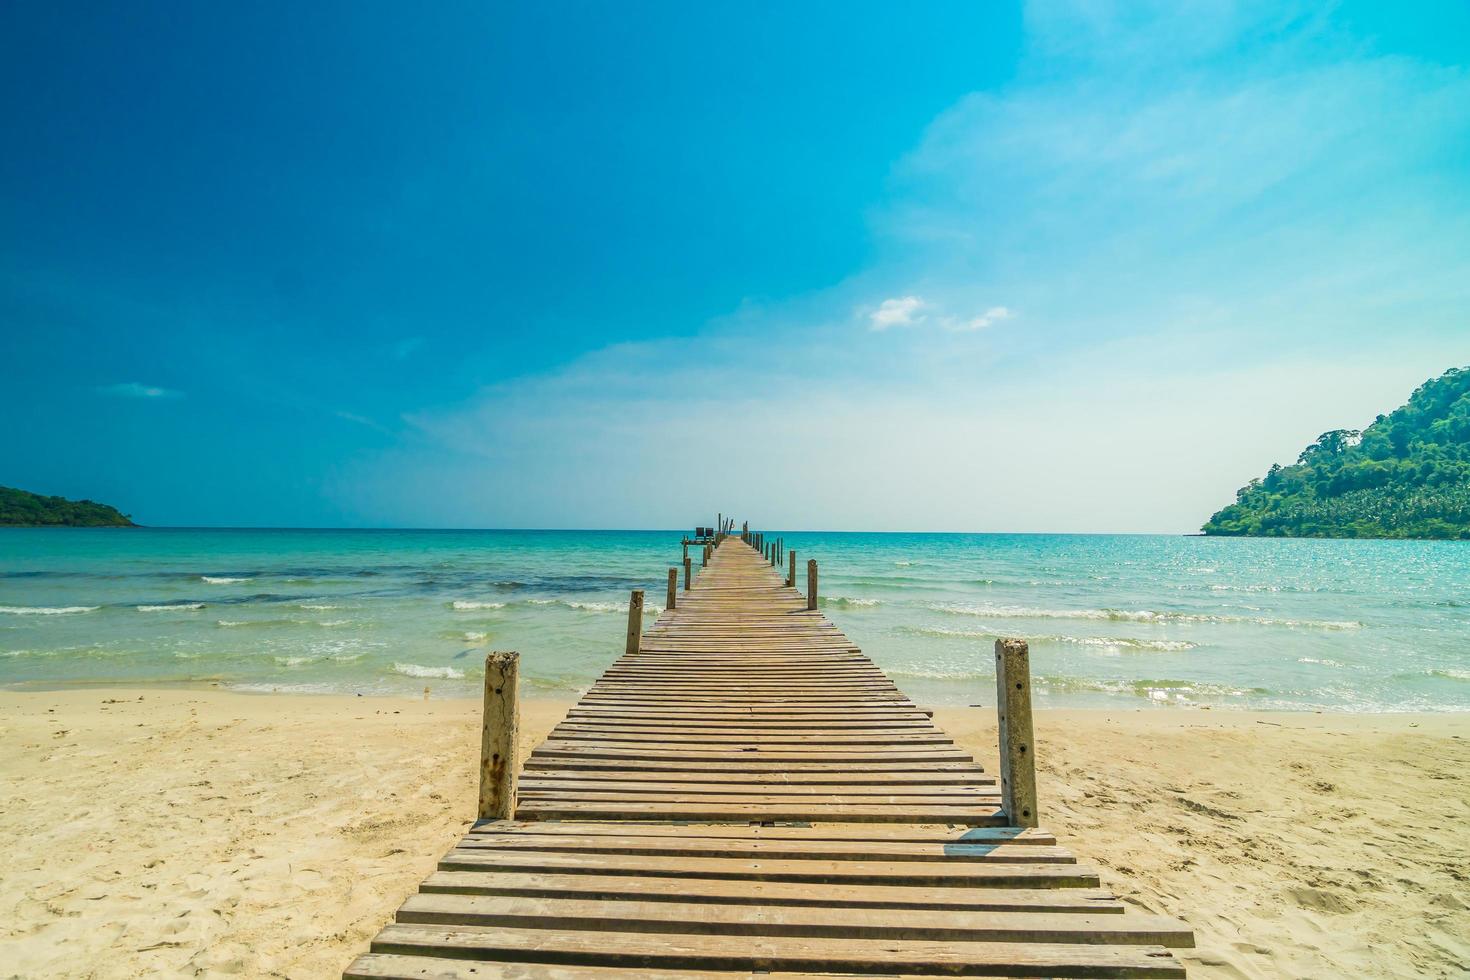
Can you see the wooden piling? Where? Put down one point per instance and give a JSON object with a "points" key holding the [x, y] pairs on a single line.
{"points": [[499, 736], [671, 602], [791, 575], [704, 557], [635, 622], [1013, 710], [687, 573], [811, 583]]}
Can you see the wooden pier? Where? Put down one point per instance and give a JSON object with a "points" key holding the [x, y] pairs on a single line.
{"points": [[745, 793]]}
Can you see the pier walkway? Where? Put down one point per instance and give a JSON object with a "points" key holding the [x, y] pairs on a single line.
{"points": [[747, 794]]}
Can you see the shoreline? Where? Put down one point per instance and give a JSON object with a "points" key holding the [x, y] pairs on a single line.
{"points": [[167, 831], [568, 697]]}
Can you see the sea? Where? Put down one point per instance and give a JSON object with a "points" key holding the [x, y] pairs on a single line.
{"points": [[1114, 621]]}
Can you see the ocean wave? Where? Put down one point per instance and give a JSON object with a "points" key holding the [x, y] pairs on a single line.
{"points": [[1319, 662], [475, 637], [47, 610], [317, 606], [170, 607], [1162, 690], [1136, 616], [846, 602], [294, 661], [1450, 673], [587, 606], [222, 580], [464, 605], [418, 670], [1125, 642]]}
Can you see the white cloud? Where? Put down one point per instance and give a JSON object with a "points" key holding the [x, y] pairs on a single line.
{"points": [[901, 311], [134, 389], [990, 317]]}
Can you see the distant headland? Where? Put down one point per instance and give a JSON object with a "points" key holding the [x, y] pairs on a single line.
{"points": [[21, 508], [1405, 476]]}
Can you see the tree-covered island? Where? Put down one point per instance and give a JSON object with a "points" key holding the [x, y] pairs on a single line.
{"points": [[21, 508], [1405, 476]]}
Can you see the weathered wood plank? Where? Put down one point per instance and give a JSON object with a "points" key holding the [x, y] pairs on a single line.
{"points": [[1130, 929], [663, 950]]}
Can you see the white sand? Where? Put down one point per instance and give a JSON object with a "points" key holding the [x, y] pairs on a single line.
{"points": [[199, 833]]}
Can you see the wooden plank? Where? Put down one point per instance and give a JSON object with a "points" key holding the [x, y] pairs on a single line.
{"points": [[940, 872], [600, 948], [913, 833], [787, 850], [735, 891], [1130, 929], [388, 966]]}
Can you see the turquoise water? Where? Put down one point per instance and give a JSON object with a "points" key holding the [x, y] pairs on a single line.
{"points": [[1113, 620]]}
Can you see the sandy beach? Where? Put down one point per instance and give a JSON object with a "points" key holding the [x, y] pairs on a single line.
{"points": [[202, 833]]}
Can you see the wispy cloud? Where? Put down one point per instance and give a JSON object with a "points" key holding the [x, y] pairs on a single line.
{"points": [[901, 311], [913, 311], [990, 317], [134, 389], [356, 419]]}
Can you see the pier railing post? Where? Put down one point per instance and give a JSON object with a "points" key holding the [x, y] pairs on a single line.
{"points": [[672, 602], [687, 575], [686, 548], [811, 583], [704, 557], [499, 735], [791, 575], [1017, 753], [635, 622]]}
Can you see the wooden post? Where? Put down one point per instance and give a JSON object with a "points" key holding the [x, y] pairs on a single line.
{"points": [[704, 557], [811, 583], [673, 588], [499, 735], [1013, 711], [791, 575], [686, 548], [686, 573], [635, 622]]}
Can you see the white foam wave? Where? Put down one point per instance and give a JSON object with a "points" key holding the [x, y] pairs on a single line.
{"points": [[474, 637], [418, 670], [594, 606], [317, 606], [1136, 616], [849, 603], [293, 661], [1319, 662], [467, 604], [1450, 673], [335, 622], [171, 607], [46, 610], [222, 580], [1122, 642]]}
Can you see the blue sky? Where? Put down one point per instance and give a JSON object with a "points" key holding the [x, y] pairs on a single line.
{"points": [[1060, 266]]}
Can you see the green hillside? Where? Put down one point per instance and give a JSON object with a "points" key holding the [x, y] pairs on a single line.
{"points": [[1405, 476], [21, 508]]}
